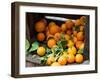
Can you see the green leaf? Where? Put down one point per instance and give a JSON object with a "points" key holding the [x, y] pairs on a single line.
{"points": [[62, 43], [34, 47], [27, 44], [80, 50], [62, 36], [76, 28], [48, 51]]}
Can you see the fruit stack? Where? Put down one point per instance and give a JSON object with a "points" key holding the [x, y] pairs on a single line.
{"points": [[64, 44]]}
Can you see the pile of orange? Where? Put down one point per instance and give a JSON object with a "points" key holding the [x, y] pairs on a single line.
{"points": [[73, 31]]}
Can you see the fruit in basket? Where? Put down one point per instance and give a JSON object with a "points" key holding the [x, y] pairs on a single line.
{"points": [[44, 21], [70, 58], [70, 43], [51, 42], [40, 26], [52, 24], [80, 36], [69, 32], [79, 58], [57, 36], [81, 28], [65, 54], [77, 22], [83, 20], [54, 29], [74, 40], [75, 33], [72, 50], [62, 60], [69, 24], [78, 44], [67, 37], [50, 60], [81, 46], [41, 51], [63, 27], [55, 64], [40, 36]]}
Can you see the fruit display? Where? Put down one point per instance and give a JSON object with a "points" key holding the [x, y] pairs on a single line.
{"points": [[58, 45]]}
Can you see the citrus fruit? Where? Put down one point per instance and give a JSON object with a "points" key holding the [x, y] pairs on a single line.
{"points": [[72, 50], [69, 24], [51, 43], [77, 22], [40, 36], [74, 40], [65, 53], [79, 58], [81, 46], [55, 64], [52, 24], [63, 27], [70, 43], [67, 37], [70, 58], [54, 29], [69, 32], [83, 19], [81, 28], [80, 36], [41, 51], [78, 44], [40, 26], [57, 36], [62, 60], [50, 60], [75, 33]]}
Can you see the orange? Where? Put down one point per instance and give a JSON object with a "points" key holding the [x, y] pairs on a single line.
{"points": [[40, 36], [72, 50], [81, 28], [77, 22], [57, 36], [69, 24], [52, 24], [70, 43], [63, 27], [70, 58], [55, 64], [51, 43], [81, 46], [74, 40], [80, 36], [44, 21], [53, 28], [78, 44], [69, 32], [41, 51], [40, 26], [75, 33], [62, 60], [79, 58], [65, 54], [83, 19], [67, 37], [50, 60]]}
